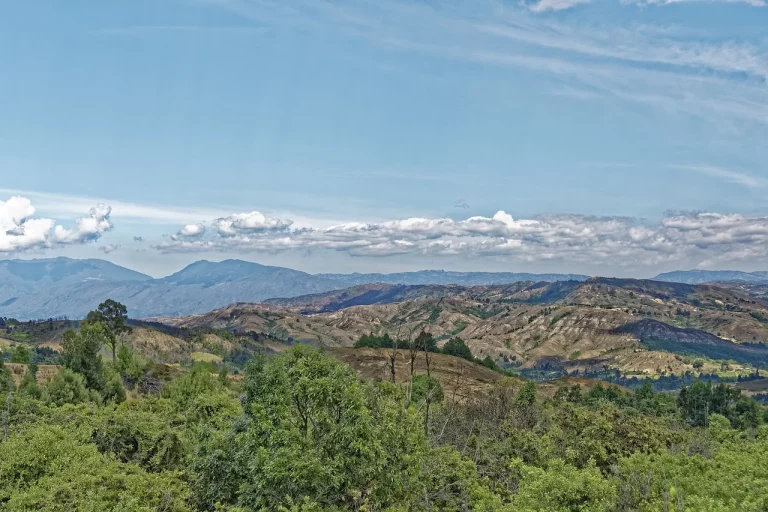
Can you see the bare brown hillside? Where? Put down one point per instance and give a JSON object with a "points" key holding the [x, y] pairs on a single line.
{"points": [[459, 378], [575, 325]]}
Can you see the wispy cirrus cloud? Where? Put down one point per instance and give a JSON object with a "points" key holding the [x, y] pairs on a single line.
{"points": [[140, 30], [661, 67], [753, 3], [66, 205], [738, 177]]}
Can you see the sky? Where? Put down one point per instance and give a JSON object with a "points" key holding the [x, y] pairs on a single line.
{"points": [[606, 137]]}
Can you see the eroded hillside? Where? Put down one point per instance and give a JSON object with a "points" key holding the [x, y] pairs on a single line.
{"points": [[574, 325]]}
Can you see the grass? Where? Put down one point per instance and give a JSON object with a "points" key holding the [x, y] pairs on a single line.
{"points": [[205, 357], [458, 326]]}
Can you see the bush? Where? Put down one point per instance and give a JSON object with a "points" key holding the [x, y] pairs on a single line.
{"points": [[48, 469], [424, 387], [67, 387], [114, 391]]}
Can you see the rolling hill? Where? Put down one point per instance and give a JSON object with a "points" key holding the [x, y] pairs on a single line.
{"points": [[600, 322]]}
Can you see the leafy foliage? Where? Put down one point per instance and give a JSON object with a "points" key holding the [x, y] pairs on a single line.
{"points": [[457, 347], [80, 353], [114, 317], [306, 435]]}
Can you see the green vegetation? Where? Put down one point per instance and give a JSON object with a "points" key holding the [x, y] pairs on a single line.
{"points": [[749, 353], [114, 317], [308, 435], [457, 347], [301, 432]]}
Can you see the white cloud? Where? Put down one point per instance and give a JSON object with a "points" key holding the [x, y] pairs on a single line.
{"points": [[19, 231], [554, 5], [190, 230], [252, 222], [86, 228], [698, 237], [106, 249]]}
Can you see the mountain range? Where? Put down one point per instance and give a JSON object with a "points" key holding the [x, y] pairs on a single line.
{"points": [[712, 276], [445, 277], [64, 287]]}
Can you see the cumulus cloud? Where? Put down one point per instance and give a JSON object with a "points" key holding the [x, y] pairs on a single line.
{"points": [[189, 231], [87, 228], [677, 236], [249, 223], [20, 231]]}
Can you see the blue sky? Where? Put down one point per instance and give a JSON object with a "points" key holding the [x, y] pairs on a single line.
{"points": [[585, 123]]}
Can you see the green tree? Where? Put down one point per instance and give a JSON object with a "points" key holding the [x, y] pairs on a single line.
{"points": [[80, 353], [426, 388], [114, 391], [21, 354], [114, 316], [526, 397], [67, 387], [222, 377], [457, 347], [425, 341], [313, 432], [28, 385], [373, 341], [6, 381], [130, 365]]}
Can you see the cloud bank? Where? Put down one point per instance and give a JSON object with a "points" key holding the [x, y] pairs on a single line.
{"points": [[707, 238], [20, 231]]}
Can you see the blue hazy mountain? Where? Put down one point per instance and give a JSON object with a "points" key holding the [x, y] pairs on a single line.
{"points": [[23, 277], [447, 278], [712, 276], [198, 288], [44, 288]]}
